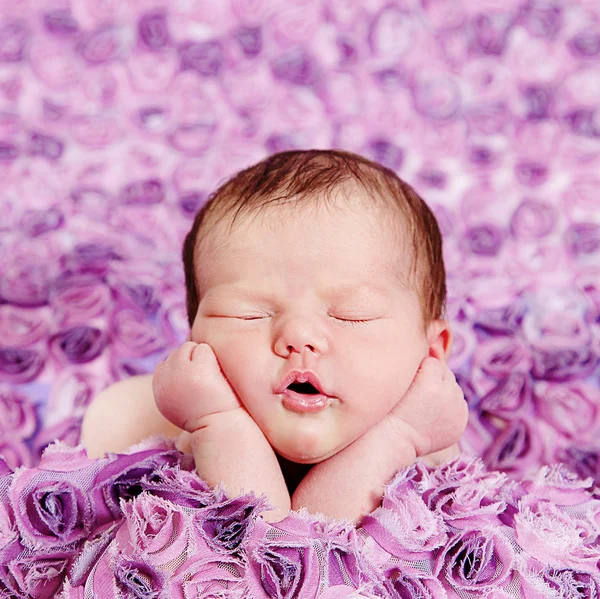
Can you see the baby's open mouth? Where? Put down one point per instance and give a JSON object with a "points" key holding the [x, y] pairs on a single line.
{"points": [[305, 388], [304, 398]]}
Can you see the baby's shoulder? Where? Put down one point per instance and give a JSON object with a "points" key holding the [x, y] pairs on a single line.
{"points": [[128, 394], [135, 384], [123, 414]]}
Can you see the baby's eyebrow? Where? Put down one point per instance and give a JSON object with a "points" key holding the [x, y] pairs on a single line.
{"points": [[358, 291], [361, 290], [237, 293]]}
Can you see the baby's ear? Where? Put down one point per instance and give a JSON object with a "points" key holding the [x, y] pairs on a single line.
{"points": [[439, 339]]}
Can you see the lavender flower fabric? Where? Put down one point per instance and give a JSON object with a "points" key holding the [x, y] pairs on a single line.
{"points": [[117, 119], [454, 531]]}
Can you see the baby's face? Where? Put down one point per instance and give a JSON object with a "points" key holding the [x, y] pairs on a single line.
{"points": [[287, 291]]}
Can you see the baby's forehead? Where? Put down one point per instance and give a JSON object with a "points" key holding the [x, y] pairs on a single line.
{"points": [[344, 200], [381, 218], [384, 231]]}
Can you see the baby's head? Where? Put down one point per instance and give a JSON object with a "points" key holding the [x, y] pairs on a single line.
{"points": [[324, 262]]}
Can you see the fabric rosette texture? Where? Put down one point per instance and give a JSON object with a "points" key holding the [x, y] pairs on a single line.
{"points": [[164, 101], [50, 510], [55, 519], [119, 118], [452, 531], [155, 528]]}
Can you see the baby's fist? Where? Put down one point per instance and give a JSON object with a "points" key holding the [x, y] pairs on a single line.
{"points": [[433, 412], [190, 385]]}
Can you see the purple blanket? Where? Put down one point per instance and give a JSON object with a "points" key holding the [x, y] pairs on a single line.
{"points": [[117, 119], [144, 526]]}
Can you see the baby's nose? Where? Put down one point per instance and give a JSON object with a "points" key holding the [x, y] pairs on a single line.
{"points": [[291, 348], [300, 335]]}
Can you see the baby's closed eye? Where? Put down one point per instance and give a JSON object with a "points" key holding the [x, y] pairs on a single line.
{"points": [[350, 321], [354, 321], [253, 317], [339, 318]]}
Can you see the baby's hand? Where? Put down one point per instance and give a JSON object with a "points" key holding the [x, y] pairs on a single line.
{"points": [[190, 385], [433, 413]]}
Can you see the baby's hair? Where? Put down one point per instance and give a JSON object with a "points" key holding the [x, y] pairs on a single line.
{"points": [[305, 176]]}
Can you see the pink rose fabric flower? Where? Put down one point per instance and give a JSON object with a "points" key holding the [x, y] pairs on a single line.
{"points": [[18, 418], [227, 525], [566, 582], [476, 560], [209, 576], [405, 527], [39, 577], [551, 536], [156, 528]]}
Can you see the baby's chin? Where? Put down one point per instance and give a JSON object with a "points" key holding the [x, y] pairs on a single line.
{"points": [[299, 458], [307, 438], [303, 452]]}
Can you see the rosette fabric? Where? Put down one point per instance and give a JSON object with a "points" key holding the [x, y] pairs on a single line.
{"points": [[118, 119]]}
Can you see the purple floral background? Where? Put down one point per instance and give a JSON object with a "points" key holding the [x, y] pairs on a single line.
{"points": [[117, 119]]}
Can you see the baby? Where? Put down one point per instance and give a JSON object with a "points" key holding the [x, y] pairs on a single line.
{"points": [[316, 362]]}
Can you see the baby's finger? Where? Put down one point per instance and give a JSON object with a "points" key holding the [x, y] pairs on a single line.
{"points": [[158, 372], [186, 351], [182, 356], [202, 351], [183, 442], [431, 368], [448, 374], [159, 378]]}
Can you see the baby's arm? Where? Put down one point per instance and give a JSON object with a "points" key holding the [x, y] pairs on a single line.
{"points": [[191, 391], [430, 417], [122, 415]]}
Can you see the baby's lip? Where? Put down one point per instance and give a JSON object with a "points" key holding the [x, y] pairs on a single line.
{"points": [[300, 376], [299, 402]]}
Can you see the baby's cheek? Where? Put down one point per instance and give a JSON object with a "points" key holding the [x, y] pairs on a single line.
{"points": [[211, 332], [204, 330], [244, 372], [197, 332]]}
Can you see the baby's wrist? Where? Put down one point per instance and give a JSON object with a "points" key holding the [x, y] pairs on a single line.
{"points": [[387, 441], [229, 420], [226, 429], [402, 437]]}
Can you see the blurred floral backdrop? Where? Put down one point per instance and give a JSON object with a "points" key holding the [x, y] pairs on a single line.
{"points": [[118, 117]]}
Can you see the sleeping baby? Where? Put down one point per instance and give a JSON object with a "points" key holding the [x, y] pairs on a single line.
{"points": [[315, 367]]}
